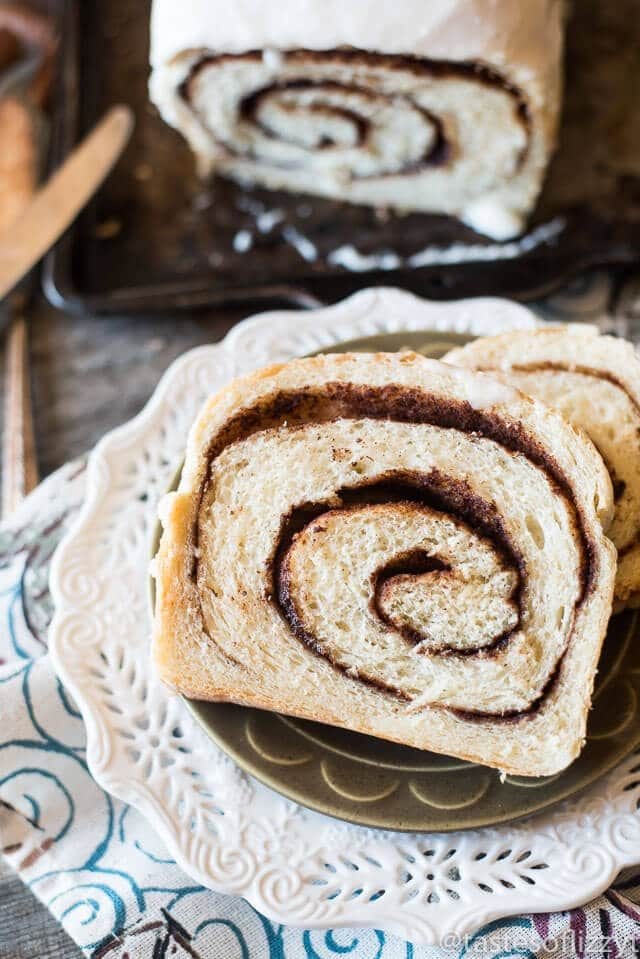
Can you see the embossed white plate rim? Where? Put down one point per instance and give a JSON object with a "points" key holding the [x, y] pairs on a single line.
{"points": [[226, 831]]}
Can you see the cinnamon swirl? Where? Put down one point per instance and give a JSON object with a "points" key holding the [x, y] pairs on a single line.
{"points": [[389, 544]]}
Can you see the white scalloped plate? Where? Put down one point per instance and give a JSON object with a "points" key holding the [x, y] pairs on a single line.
{"points": [[223, 828]]}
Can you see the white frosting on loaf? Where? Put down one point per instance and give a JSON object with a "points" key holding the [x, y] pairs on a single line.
{"points": [[521, 37]]}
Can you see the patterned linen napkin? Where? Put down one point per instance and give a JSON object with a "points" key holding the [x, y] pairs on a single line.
{"points": [[98, 866]]}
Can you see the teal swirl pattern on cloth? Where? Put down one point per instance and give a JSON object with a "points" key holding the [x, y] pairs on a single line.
{"points": [[98, 866]]}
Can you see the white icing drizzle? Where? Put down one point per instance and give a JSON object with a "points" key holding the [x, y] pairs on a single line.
{"points": [[264, 219], [267, 220], [352, 259], [493, 219], [483, 392], [307, 250], [272, 59], [242, 241]]}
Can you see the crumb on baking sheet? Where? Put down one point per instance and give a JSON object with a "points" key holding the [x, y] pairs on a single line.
{"points": [[107, 229], [143, 172]]}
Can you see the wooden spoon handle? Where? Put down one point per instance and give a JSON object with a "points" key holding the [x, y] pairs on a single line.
{"points": [[18, 178], [19, 465]]}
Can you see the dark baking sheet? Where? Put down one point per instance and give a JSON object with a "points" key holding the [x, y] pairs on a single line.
{"points": [[157, 238]]}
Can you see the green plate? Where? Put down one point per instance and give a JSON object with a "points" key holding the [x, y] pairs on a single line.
{"points": [[380, 784]]}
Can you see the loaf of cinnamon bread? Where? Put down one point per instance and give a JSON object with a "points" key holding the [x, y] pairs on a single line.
{"points": [[449, 106]]}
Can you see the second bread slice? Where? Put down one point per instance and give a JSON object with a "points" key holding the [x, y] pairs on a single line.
{"points": [[594, 381]]}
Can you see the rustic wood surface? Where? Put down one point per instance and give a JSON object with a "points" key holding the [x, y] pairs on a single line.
{"points": [[27, 929], [90, 374]]}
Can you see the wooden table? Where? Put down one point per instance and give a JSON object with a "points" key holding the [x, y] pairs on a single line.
{"points": [[91, 374]]}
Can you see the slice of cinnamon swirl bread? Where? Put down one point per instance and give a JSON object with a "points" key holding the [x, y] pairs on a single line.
{"points": [[396, 546], [595, 382], [449, 106]]}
